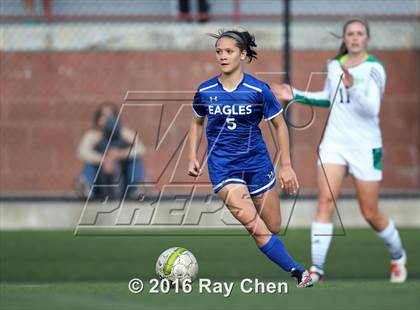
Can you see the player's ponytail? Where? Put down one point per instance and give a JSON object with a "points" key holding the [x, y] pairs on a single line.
{"points": [[343, 49], [244, 41], [249, 45]]}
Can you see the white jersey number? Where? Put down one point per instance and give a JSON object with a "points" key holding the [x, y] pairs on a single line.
{"points": [[231, 123]]}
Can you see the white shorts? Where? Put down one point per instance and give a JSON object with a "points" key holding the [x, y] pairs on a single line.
{"points": [[364, 164]]}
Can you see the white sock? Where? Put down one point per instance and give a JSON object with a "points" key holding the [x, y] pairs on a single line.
{"points": [[321, 236], [392, 239]]}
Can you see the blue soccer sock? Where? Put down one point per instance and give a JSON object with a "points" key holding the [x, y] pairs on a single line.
{"points": [[275, 250]]}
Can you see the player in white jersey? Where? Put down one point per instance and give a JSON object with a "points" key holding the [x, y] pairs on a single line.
{"points": [[351, 143]]}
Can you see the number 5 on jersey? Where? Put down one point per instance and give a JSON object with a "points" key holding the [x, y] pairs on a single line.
{"points": [[230, 123]]}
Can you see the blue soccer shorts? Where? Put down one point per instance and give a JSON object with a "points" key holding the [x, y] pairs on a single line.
{"points": [[257, 182]]}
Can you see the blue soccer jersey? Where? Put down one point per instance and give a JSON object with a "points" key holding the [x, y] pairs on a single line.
{"points": [[235, 142]]}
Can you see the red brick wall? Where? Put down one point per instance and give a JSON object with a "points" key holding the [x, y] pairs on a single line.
{"points": [[47, 100]]}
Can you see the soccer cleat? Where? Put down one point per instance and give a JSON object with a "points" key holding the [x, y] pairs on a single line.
{"points": [[304, 280], [316, 274], [398, 269]]}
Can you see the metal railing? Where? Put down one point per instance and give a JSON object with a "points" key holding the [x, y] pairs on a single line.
{"points": [[62, 11]]}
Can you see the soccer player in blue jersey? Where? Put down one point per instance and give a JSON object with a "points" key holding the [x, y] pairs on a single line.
{"points": [[239, 164]]}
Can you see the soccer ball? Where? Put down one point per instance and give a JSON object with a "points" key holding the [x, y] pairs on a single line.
{"points": [[177, 264]]}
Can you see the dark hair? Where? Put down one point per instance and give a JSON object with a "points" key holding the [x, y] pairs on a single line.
{"points": [[343, 49], [244, 40], [101, 107]]}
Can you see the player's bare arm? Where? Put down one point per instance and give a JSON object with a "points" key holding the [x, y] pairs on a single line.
{"points": [[194, 141], [285, 174]]}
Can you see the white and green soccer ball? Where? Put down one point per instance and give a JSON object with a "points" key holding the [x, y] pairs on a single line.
{"points": [[177, 264]]}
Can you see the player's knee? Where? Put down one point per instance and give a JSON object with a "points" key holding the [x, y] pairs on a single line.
{"points": [[325, 200], [251, 226], [275, 230], [325, 204], [274, 227], [370, 216], [325, 208], [257, 227]]}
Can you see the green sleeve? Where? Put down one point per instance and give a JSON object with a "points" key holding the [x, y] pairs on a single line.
{"points": [[312, 102]]}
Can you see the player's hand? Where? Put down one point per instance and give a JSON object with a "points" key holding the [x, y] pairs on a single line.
{"points": [[194, 168], [288, 180], [347, 77], [282, 91]]}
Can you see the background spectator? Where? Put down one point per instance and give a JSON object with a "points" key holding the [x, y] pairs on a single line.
{"points": [[185, 10], [121, 151]]}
